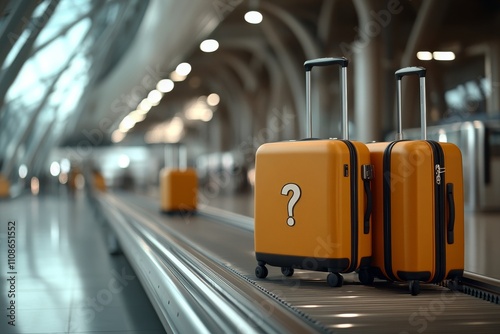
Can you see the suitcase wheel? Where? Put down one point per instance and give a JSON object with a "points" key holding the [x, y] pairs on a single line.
{"points": [[335, 280], [414, 287], [261, 271], [287, 271], [365, 276], [453, 284]]}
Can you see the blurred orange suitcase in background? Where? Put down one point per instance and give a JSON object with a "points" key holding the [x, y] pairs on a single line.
{"points": [[418, 212], [178, 184], [4, 187], [313, 200]]}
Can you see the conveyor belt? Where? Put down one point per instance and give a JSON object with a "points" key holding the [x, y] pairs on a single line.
{"points": [[191, 292], [353, 308]]}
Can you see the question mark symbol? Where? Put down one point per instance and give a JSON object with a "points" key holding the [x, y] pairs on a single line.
{"points": [[296, 192]]}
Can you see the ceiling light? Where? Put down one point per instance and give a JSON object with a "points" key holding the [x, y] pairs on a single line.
{"points": [[154, 97], [253, 17], [213, 99], [348, 315], [117, 136], [35, 185], [199, 111], [55, 168], [209, 45], [167, 132], [137, 116], [23, 171], [65, 165], [443, 55], [165, 85], [123, 161], [145, 106], [126, 124], [183, 69], [424, 55], [177, 77], [63, 178]]}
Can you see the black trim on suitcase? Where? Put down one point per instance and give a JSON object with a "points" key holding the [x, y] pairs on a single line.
{"points": [[387, 213], [354, 205], [455, 273], [302, 262], [414, 275], [439, 220]]}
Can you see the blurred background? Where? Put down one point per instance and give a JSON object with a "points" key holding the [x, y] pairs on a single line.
{"points": [[96, 96], [107, 84]]}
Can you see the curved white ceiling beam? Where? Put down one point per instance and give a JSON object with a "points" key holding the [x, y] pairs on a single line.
{"points": [[305, 39], [170, 30], [244, 72], [292, 71], [240, 114], [325, 19], [310, 49], [276, 76]]}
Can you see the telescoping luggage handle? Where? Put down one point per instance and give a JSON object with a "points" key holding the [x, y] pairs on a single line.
{"points": [[421, 71], [176, 156], [308, 65], [414, 70], [367, 174]]}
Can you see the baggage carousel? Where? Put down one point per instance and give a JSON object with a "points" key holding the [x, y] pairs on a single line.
{"points": [[198, 271]]}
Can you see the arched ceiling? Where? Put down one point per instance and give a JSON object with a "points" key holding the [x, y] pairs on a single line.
{"points": [[114, 52]]}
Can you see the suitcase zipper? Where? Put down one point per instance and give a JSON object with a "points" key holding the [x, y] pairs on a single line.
{"points": [[439, 172], [387, 212], [354, 206]]}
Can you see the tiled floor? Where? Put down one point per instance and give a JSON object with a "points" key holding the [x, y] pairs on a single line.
{"points": [[65, 281]]}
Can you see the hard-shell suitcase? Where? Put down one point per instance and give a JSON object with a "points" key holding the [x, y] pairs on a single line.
{"points": [[178, 184], [4, 187], [313, 200], [418, 212]]}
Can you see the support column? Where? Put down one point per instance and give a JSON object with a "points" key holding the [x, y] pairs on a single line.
{"points": [[492, 71], [366, 67]]}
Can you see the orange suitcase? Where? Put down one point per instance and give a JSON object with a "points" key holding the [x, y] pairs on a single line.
{"points": [[4, 187], [178, 185], [418, 206], [313, 200]]}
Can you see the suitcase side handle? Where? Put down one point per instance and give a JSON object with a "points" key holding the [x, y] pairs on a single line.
{"points": [[367, 176], [421, 72], [308, 65], [451, 213]]}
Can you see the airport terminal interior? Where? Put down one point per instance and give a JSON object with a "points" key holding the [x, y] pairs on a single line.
{"points": [[156, 158]]}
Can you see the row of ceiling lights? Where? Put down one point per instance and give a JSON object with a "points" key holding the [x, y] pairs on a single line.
{"points": [[436, 55], [153, 99], [211, 45], [167, 85]]}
